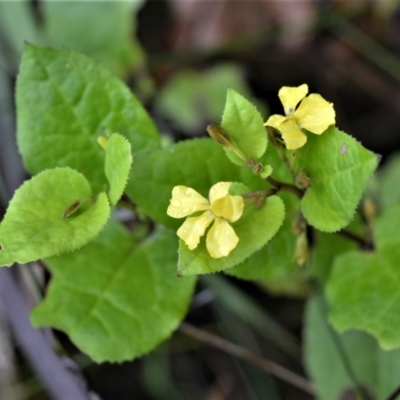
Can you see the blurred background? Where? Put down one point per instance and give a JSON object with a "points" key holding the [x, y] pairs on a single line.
{"points": [[179, 57]]}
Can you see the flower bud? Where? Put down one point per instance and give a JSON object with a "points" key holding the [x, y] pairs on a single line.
{"points": [[102, 141], [301, 251], [220, 135]]}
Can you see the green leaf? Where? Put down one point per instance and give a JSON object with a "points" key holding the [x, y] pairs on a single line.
{"points": [[191, 99], [386, 228], [281, 171], [39, 221], [115, 299], [76, 26], [375, 370], [275, 264], [65, 101], [216, 82], [326, 247], [198, 164], [363, 292], [117, 165], [245, 126], [179, 101], [389, 181], [363, 287], [254, 229], [339, 168]]}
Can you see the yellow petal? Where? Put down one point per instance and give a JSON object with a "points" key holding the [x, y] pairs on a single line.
{"points": [[221, 239], [275, 121], [290, 97], [193, 229], [292, 135], [228, 207], [315, 114], [219, 190], [186, 201]]}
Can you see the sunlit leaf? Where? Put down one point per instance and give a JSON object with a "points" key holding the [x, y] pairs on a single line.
{"points": [[339, 168], [52, 213], [117, 165], [245, 126]]}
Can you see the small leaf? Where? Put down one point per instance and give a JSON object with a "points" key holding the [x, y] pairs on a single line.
{"points": [[198, 164], [65, 101], [116, 300], [337, 177], [35, 225], [245, 126], [254, 229], [117, 165], [266, 172]]}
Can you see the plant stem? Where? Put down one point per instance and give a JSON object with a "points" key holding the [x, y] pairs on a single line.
{"points": [[285, 186], [364, 244], [342, 352], [240, 352], [394, 395]]}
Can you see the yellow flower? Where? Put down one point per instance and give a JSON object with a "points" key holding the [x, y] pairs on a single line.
{"points": [[314, 114], [221, 208]]}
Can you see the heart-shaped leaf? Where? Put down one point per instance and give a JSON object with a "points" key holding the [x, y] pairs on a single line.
{"points": [[52, 213], [117, 300]]}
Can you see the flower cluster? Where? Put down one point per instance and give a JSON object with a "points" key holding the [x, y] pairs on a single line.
{"points": [[314, 114], [221, 209]]}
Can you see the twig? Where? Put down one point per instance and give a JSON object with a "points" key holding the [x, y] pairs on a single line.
{"points": [[60, 384], [285, 186], [364, 244], [240, 352], [395, 394]]}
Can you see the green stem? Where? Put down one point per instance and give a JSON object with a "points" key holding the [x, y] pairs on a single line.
{"points": [[279, 147], [286, 187], [259, 197]]}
